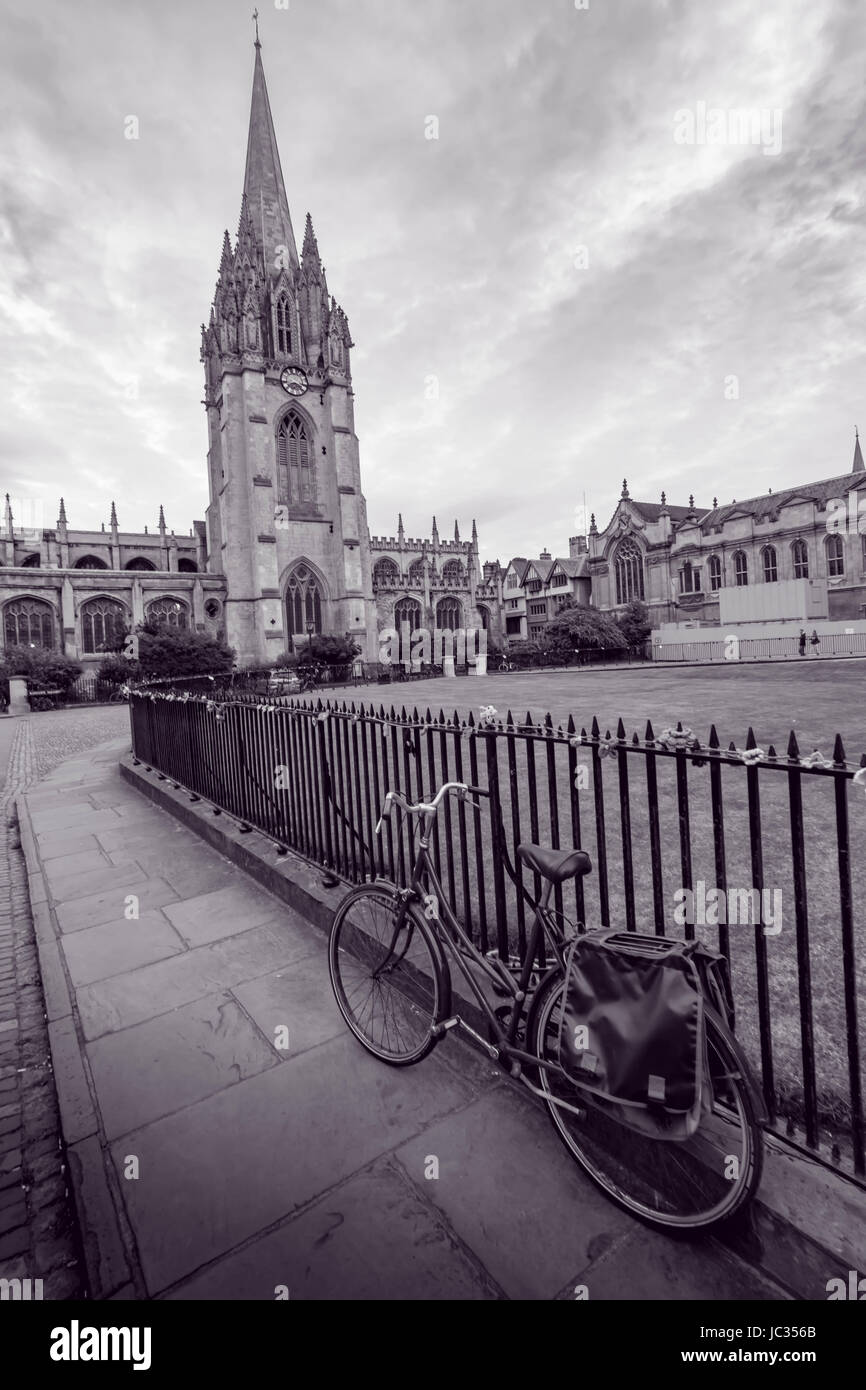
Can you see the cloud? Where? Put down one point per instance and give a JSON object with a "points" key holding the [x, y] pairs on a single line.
{"points": [[559, 370]]}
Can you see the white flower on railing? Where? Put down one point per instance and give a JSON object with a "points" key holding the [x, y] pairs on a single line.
{"points": [[860, 778], [751, 756], [487, 717], [816, 759]]}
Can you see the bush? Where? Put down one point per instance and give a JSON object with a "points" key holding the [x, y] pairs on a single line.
{"points": [[328, 651], [524, 654], [41, 667], [116, 670], [169, 651]]}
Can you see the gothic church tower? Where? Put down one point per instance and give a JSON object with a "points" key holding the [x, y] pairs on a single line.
{"points": [[287, 521]]}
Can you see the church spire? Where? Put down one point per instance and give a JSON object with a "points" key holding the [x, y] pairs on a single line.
{"points": [[859, 466], [264, 189]]}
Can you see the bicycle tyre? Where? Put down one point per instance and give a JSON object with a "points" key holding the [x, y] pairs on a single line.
{"points": [[420, 982], [637, 1158]]}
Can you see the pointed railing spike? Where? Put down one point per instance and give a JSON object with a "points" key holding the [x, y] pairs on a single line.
{"points": [[714, 738], [793, 746], [751, 741], [838, 751]]}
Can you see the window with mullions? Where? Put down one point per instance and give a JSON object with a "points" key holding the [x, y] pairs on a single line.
{"points": [[628, 569], [103, 625], [800, 558], [29, 622], [835, 557], [295, 470], [303, 601], [284, 327]]}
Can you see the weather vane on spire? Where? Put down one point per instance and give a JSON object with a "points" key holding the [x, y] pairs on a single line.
{"points": [[256, 20]]}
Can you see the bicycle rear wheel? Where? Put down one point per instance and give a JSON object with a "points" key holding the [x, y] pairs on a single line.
{"points": [[388, 974], [689, 1184]]}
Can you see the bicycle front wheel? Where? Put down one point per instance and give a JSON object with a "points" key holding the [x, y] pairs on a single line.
{"points": [[389, 977], [689, 1184]]}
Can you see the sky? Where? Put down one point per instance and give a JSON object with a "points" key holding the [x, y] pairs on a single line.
{"points": [[565, 258]]}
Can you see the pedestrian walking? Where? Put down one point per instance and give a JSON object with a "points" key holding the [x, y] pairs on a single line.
{"points": [[815, 640], [802, 641]]}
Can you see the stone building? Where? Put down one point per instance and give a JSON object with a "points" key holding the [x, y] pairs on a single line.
{"points": [[434, 583], [678, 559], [77, 591], [533, 590]]}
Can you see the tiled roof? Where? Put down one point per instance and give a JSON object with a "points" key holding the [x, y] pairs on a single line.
{"points": [[771, 502], [652, 510], [573, 568]]}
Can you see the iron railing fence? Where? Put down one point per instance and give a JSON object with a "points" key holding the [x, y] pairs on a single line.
{"points": [[760, 648], [759, 852]]}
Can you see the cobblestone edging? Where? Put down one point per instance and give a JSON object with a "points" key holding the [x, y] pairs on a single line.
{"points": [[38, 1230]]}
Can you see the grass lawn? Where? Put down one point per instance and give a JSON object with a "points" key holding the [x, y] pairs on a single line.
{"points": [[816, 699]]}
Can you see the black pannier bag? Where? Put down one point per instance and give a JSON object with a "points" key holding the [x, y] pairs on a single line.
{"points": [[633, 1031]]}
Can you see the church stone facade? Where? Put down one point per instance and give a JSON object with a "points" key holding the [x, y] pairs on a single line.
{"points": [[434, 583], [77, 591], [287, 520]]}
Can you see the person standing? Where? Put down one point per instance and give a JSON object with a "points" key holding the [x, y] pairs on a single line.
{"points": [[802, 641], [815, 639]]}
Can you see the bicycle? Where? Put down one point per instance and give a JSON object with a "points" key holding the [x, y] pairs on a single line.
{"points": [[390, 952], [308, 677]]}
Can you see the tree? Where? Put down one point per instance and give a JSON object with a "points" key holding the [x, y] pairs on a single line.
{"points": [[117, 670], [634, 623], [577, 626], [170, 651], [328, 650]]}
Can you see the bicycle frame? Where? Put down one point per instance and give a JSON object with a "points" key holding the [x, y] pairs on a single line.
{"points": [[426, 884]]}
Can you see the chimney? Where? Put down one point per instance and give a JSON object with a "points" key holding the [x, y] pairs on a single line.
{"points": [[545, 555]]}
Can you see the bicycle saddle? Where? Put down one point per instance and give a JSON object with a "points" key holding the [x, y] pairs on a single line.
{"points": [[555, 864]]}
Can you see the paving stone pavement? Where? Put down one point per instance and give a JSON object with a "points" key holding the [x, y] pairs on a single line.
{"points": [[39, 1238], [210, 1162]]}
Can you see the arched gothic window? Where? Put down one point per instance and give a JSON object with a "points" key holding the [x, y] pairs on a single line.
{"points": [[741, 570], [139, 563], [169, 611], [103, 625], [187, 567], [284, 326], [303, 602], [416, 574], [628, 568], [835, 556], [449, 614], [407, 610], [90, 562], [771, 565], [31, 562], [29, 622], [295, 474], [454, 574], [715, 570], [800, 558], [385, 572]]}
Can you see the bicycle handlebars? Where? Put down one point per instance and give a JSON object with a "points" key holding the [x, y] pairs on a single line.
{"points": [[393, 799]]}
